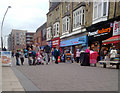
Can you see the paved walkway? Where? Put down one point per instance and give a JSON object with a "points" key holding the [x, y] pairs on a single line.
{"points": [[70, 77], [9, 80]]}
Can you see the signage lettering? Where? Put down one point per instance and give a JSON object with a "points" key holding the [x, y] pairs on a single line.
{"points": [[92, 33], [104, 30], [99, 32], [56, 42]]}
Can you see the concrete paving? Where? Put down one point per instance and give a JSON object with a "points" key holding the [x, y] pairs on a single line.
{"points": [[70, 77], [9, 80]]}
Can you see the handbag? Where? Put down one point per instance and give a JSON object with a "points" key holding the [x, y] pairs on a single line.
{"points": [[58, 58]]}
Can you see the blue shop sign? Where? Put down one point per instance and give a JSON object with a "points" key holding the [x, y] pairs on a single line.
{"points": [[75, 41], [50, 43]]}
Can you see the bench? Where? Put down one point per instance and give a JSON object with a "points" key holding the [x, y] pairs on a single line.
{"points": [[117, 63]]}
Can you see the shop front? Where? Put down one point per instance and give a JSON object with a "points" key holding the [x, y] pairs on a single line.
{"points": [[73, 44], [115, 39], [99, 32]]}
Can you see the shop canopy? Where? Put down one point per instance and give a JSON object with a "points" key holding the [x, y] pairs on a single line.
{"points": [[114, 39]]}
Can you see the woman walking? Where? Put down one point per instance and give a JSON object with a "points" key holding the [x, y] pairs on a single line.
{"points": [[22, 57]]}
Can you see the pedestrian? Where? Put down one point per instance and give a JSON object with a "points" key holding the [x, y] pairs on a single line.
{"points": [[102, 54], [77, 55], [22, 57], [113, 53], [34, 56], [30, 56], [25, 52], [52, 56], [88, 50], [12, 53], [82, 52], [47, 51], [56, 54], [17, 58], [37, 48]]}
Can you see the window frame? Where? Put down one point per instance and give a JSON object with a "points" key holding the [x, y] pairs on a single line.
{"points": [[96, 4], [78, 17], [66, 23], [56, 29]]}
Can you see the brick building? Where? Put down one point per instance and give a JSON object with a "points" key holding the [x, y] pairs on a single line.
{"points": [[40, 36]]}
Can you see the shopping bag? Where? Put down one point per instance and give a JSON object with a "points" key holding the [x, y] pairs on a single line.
{"points": [[58, 58], [53, 58]]}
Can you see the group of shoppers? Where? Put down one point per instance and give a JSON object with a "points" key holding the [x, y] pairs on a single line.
{"points": [[109, 54], [36, 55]]}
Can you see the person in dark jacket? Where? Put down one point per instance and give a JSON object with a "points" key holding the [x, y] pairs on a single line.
{"points": [[56, 54], [34, 56], [17, 58], [47, 51]]}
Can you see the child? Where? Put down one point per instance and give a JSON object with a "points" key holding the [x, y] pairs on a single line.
{"points": [[39, 58]]}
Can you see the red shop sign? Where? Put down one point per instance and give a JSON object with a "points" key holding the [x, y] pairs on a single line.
{"points": [[56, 42]]}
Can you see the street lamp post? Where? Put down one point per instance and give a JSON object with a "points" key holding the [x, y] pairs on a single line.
{"points": [[2, 26]]}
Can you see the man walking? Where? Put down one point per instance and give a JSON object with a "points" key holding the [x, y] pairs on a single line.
{"points": [[17, 58], [56, 54], [47, 51]]}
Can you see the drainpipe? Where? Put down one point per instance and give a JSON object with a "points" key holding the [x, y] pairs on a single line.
{"points": [[115, 10]]}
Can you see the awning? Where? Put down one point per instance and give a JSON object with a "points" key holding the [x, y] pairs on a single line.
{"points": [[114, 39]]}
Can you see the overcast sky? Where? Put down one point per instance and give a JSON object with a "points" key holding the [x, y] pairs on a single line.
{"points": [[24, 14]]}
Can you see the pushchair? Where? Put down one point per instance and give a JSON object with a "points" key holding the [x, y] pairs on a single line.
{"points": [[39, 59]]}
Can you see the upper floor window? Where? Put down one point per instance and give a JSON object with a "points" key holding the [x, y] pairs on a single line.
{"points": [[56, 29], [65, 24], [49, 29], [44, 34], [100, 11], [79, 17]]}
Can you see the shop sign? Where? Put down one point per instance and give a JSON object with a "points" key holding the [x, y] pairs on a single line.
{"points": [[75, 41], [116, 28], [100, 32], [56, 42]]}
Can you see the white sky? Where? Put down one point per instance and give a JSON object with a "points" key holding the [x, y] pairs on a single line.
{"points": [[24, 14]]}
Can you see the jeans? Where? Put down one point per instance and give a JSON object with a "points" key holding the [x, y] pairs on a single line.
{"points": [[56, 61], [47, 57], [17, 61], [34, 61], [22, 60], [29, 60]]}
